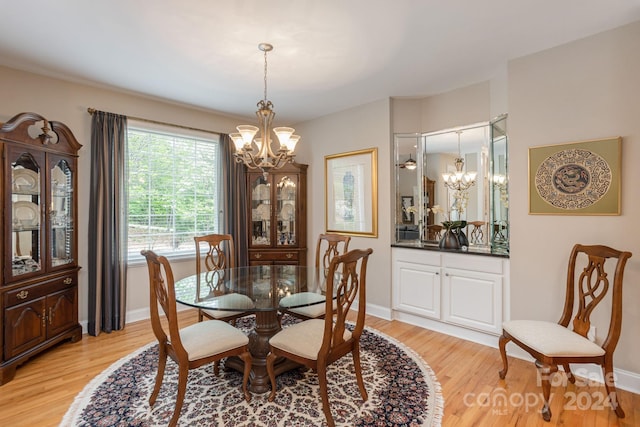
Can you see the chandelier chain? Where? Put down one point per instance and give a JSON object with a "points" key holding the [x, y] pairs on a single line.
{"points": [[265, 75]]}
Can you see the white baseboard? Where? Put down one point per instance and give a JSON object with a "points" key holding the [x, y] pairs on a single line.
{"points": [[625, 380]]}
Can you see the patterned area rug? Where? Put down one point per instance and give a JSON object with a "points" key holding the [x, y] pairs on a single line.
{"points": [[402, 388]]}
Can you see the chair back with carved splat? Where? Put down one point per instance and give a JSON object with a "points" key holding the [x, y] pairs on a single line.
{"points": [[192, 346], [328, 247], [316, 343], [215, 253], [553, 344]]}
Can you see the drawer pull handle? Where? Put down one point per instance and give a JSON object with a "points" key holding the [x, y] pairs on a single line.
{"points": [[44, 319], [258, 256], [289, 256], [51, 315], [22, 294], [68, 281]]}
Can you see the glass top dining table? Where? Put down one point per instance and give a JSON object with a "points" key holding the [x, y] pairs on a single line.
{"points": [[264, 290]]}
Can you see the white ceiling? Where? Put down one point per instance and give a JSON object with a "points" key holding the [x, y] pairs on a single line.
{"points": [[329, 55]]}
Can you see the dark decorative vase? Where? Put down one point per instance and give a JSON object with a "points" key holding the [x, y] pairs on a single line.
{"points": [[449, 240], [462, 238]]}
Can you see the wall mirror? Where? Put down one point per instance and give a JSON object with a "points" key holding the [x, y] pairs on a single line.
{"points": [[457, 174]]}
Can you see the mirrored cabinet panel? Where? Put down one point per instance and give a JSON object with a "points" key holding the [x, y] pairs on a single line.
{"points": [[499, 186], [451, 188]]}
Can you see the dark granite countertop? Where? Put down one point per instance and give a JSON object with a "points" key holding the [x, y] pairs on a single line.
{"points": [[472, 250]]}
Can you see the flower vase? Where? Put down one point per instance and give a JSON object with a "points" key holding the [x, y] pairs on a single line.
{"points": [[449, 240], [462, 238]]}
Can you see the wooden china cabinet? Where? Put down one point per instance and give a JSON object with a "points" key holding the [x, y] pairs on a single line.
{"points": [[39, 269], [277, 203]]}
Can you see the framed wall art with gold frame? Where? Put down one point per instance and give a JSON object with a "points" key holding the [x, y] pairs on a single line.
{"points": [[351, 193], [578, 178]]}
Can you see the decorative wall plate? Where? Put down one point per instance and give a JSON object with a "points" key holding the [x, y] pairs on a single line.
{"points": [[25, 181], [573, 179], [27, 213], [264, 212], [286, 213], [261, 192]]}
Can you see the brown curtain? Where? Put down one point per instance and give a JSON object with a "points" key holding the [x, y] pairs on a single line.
{"points": [[234, 198], [107, 223]]}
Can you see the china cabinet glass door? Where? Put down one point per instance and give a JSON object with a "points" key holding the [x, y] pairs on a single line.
{"points": [[26, 199], [261, 211], [286, 196], [61, 214]]}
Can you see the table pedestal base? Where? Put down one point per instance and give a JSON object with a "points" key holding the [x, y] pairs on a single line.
{"points": [[267, 325]]}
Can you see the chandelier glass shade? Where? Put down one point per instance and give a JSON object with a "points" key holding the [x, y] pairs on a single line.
{"points": [[256, 152], [459, 180]]}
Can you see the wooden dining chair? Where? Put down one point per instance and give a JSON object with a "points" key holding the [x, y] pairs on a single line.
{"points": [[317, 343], [553, 344], [192, 346], [214, 254], [327, 247]]}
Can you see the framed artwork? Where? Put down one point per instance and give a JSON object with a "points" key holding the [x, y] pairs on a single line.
{"points": [[351, 193], [407, 209], [579, 178]]}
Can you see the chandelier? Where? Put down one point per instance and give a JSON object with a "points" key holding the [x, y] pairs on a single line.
{"points": [[256, 153], [459, 180]]}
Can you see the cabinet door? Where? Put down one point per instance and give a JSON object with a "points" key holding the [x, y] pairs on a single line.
{"points": [[417, 289], [24, 327], [473, 299], [61, 311], [260, 211], [286, 208], [61, 212], [24, 214]]}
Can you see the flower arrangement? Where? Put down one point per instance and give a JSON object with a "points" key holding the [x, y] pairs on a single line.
{"points": [[447, 223]]}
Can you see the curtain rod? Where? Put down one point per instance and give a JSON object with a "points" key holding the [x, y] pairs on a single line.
{"points": [[140, 119]]}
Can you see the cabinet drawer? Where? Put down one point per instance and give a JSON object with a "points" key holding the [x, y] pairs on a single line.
{"points": [[37, 290], [274, 256]]}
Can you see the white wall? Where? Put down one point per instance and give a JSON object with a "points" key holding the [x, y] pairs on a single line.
{"points": [[67, 103], [358, 128]]}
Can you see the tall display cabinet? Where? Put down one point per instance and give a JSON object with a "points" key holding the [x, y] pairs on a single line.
{"points": [[278, 216], [39, 269]]}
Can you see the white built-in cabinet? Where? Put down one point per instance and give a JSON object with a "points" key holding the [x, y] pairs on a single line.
{"points": [[463, 290]]}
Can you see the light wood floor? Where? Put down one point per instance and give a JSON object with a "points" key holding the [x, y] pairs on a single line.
{"points": [[46, 386]]}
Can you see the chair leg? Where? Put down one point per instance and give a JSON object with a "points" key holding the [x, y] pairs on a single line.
{"points": [[358, 368], [183, 374], [570, 376], [546, 372], [503, 353], [610, 386], [216, 368], [246, 357], [324, 395], [200, 316], [271, 359], [162, 362]]}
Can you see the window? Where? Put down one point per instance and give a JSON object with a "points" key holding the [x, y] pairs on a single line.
{"points": [[173, 188]]}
